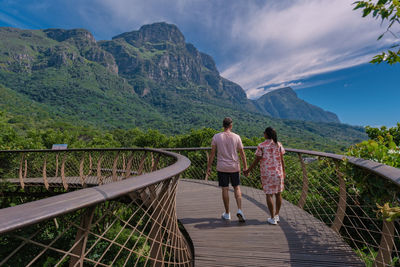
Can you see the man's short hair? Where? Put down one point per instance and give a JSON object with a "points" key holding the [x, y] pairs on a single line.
{"points": [[227, 122]]}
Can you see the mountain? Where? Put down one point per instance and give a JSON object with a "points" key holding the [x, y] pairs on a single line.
{"points": [[149, 78], [284, 103], [165, 70], [68, 74]]}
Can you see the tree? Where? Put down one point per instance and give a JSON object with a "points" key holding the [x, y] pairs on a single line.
{"points": [[385, 10]]}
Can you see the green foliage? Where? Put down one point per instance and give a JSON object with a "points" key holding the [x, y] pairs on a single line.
{"points": [[367, 255], [382, 147], [389, 213], [385, 10], [393, 132], [196, 138]]}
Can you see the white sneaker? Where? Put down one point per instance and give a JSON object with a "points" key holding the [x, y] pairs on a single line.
{"points": [[226, 216], [271, 221], [276, 218], [240, 215]]}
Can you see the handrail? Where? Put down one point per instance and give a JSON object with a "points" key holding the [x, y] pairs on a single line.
{"points": [[385, 171], [29, 213], [127, 216]]}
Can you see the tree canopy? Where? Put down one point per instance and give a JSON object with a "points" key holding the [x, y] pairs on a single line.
{"points": [[386, 11]]}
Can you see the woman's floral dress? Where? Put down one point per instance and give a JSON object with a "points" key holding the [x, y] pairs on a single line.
{"points": [[271, 168]]}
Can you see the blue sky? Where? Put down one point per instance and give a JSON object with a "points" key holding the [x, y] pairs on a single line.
{"points": [[319, 47]]}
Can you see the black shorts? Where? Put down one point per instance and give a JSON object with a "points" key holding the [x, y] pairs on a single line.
{"points": [[225, 177]]}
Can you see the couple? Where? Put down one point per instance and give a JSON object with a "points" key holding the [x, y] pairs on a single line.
{"points": [[272, 168]]}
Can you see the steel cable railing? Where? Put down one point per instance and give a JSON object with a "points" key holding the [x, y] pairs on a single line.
{"points": [[119, 211], [333, 189]]}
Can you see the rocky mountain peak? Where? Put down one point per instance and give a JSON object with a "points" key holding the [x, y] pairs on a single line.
{"points": [[61, 35], [283, 92], [154, 33]]}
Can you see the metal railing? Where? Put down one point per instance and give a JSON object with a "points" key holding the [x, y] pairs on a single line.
{"points": [[124, 210], [123, 213], [340, 191]]}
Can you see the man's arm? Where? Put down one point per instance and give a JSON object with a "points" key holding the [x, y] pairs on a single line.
{"points": [[211, 159], [243, 157]]}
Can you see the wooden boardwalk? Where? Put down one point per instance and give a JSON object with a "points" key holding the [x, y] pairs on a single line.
{"points": [[299, 239]]}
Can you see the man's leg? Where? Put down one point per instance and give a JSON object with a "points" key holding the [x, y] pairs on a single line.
{"points": [[223, 182], [225, 198], [278, 200], [235, 181], [238, 196]]}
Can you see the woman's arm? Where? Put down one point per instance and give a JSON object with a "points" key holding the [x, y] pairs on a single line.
{"points": [[256, 160], [283, 165]]}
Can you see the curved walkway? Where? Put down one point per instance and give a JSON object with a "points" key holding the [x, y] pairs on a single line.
{"points": [[299, 239]]}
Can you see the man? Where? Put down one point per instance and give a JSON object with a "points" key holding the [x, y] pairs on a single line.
{"points": [[227, 144]]}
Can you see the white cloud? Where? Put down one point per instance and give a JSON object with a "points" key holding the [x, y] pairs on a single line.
{"points": [[299, 39]]}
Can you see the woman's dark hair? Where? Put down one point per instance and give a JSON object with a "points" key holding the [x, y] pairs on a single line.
{"points": [[271, 134]]}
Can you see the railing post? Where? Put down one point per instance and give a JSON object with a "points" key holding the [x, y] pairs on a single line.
{"points": [[46, 183], [64, 180], [114, 168], [155, 163], [21, 178], [81, 237], [99, 177], [384, 256], [81, 165], [208, 158], [341, 209], [56, 175], [304, 191], [141, 164], [129, 166], [155, 233]]}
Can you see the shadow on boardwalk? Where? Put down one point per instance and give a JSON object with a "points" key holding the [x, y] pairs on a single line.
{"points": [[299, 239]]}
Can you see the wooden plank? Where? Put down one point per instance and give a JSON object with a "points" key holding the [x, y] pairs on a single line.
{"points": [[299, 239]]}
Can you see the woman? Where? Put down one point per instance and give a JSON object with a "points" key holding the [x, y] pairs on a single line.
{"points": [[272, 170]]}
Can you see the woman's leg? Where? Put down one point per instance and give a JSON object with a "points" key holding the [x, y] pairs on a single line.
{"points": [[278, 200], [270, 205]]}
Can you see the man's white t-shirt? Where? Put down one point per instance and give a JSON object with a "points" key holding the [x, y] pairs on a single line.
{"points": [[227, 145]]}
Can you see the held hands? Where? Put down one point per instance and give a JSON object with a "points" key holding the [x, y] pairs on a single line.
{"points": [[208, 171], [246, 172]]}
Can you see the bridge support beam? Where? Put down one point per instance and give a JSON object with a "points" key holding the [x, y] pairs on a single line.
{"points": [[384, 256], [81, 238], [304, 191], [341, 209]]}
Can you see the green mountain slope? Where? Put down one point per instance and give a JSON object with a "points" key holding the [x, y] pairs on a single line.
{"points": [[148, 78], [73, 77]]}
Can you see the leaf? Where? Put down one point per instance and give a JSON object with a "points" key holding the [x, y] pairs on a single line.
{"points": [[359, 4], [366, 11]]}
